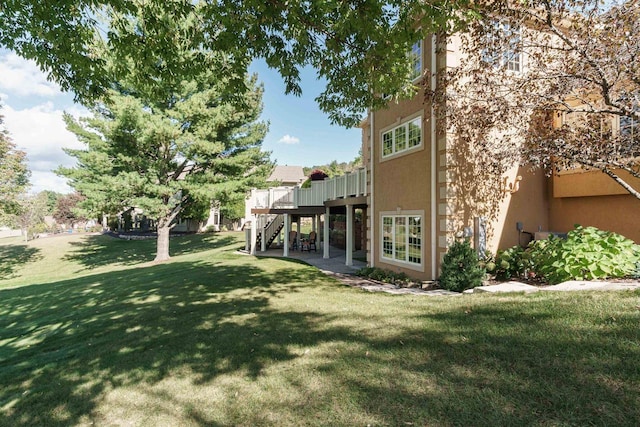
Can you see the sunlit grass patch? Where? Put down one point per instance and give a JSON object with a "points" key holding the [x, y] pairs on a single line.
{"points": [[217, 338]]}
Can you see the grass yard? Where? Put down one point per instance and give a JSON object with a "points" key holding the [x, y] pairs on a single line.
{"points": [[92, 332]]}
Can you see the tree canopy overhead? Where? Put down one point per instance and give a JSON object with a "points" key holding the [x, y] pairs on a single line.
{"points": [[359, 47]]}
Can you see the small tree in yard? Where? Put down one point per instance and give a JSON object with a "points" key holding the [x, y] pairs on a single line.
{"points": [[164, 143], [460, 268], [30, 214], [526, 65], [66, 211]]}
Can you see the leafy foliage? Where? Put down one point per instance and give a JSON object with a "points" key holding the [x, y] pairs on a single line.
{"points": [[461, 268], [509, 263], [586, 254], [66, 209], [547, 84], [169, 146], [14, 175], [358, 48]]}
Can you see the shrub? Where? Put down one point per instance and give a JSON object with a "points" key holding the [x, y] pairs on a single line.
{"points": [[509, 263], [382, 275], [460, 268], [586, 254]]}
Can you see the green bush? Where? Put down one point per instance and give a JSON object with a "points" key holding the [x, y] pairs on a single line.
{"points": [[461, 268], [586, 254], [510, 263], [386, 276]]}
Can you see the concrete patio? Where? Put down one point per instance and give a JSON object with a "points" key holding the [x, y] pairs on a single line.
{"points": [[334, 264]]}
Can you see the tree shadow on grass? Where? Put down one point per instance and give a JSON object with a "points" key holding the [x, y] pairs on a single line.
{"points": [[101, 250], [498, 365], [13, 257], [63, 344]]}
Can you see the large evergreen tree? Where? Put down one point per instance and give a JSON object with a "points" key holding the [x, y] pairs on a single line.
{"points": [[193, 147]]}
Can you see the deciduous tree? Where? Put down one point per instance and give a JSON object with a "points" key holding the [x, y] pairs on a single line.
{"points": [[14, 174], [66, 211], [359, 48], [553, 85]]}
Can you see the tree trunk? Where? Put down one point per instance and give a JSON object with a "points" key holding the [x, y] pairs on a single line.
{"points": [[162, 245]]}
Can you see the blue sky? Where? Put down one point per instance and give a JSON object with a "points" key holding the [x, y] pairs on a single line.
{"points": [[299, 133]]}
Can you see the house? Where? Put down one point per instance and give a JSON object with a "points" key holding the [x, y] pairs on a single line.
{"points": [[422, 190], [287, 176]]}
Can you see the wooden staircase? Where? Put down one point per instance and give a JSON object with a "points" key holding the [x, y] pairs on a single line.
{"points": [[272, 229]]}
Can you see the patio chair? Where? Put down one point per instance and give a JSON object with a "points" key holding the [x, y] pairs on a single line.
{"points": [[312, 241], [293, 240]]}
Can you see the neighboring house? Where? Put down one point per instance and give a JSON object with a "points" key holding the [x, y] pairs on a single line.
{"points": [[420, 192], [288, 176]]}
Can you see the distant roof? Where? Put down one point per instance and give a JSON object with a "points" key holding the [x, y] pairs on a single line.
{"points": [[292, 175]]}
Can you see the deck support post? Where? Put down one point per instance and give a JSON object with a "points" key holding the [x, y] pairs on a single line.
{"points": [[325, 235], [254, 233], [263, 230], [298, 232], [349, 250], [287, 227]]}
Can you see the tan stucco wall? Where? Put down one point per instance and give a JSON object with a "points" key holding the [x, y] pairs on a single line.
{"points": [[580, 183], [528, 205], [402, 183], [594, 199]]}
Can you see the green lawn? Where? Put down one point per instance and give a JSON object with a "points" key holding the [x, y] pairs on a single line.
{"points": [[92, 332]]}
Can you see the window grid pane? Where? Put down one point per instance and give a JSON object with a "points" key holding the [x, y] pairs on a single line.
{"points": [[401, 138], [387, 143], [400, 239], [415, 240], [416, 58], [415, 132], [387, 237]]}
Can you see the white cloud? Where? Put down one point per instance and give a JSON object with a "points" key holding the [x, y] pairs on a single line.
{"points": [[41, 133], [47, 180], [288, 139], [22, 77]]}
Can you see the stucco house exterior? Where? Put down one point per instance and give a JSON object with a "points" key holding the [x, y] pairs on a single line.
{"points": [[420, 194]]}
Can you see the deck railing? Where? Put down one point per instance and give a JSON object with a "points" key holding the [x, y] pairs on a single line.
{"points": [[353, 184]]}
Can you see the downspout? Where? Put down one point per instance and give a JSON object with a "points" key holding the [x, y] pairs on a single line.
{"points": [[434, 176], [371, 179]]}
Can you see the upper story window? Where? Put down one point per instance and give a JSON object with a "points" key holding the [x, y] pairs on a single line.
{"points": [[415, 55], [402, 138], [416, 60], [629, 127], [503, 46]]}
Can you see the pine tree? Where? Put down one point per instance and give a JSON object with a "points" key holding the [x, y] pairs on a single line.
{"points": [[163, 155]]}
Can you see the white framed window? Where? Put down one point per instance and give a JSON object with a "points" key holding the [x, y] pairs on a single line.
{"points": [[416, 60], [629, 127], [402, 138], [415, 55], [503, 46], [402, 238]]}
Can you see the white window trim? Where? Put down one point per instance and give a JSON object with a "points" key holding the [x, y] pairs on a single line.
{"points": [[407, 150], [503, 64], [421, 45], [399, 263]]}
